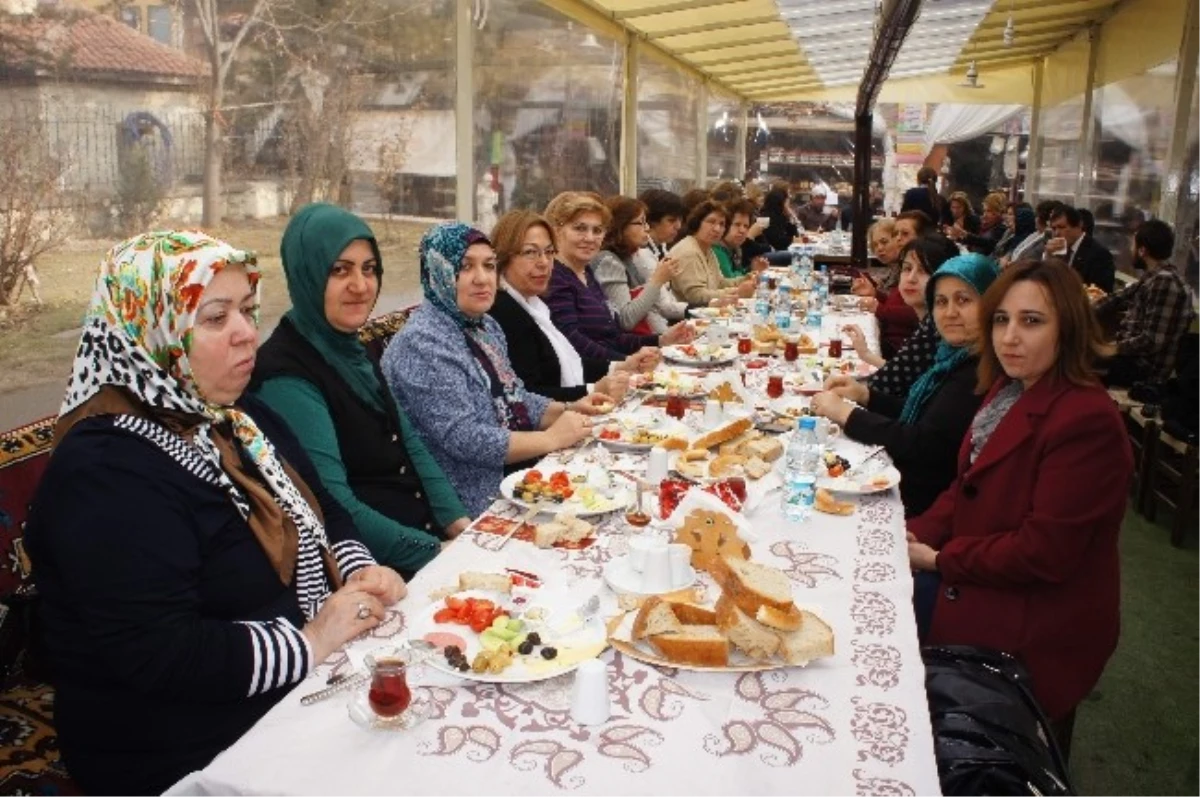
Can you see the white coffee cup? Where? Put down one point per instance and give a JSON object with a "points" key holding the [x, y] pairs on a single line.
{"points": [[713, 413], [656, 466], [639, 547], [590, 701], [656, 573], [680, 556]]}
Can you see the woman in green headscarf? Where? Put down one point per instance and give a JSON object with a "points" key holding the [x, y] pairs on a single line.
{"points": [[315, 373], [923, 431]]}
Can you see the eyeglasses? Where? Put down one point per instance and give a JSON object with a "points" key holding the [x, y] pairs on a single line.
{"points": [[639, 223], [537, 254], [586, 229]]}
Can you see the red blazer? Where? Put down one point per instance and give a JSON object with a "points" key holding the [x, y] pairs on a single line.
{"points": [[1027, 539]]}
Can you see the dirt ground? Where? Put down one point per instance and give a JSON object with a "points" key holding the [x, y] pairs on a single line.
{"points": [[38, 344]]}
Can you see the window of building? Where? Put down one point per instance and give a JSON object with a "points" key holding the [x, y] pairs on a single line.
{"points": [[132, 16], [159, 23]]}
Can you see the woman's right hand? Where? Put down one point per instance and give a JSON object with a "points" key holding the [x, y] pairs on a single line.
{"points": [[861, 286], [848, 387], [338, 621], [568, 429], [644, 360], [745, 288], [667, 268], [858, 340], [615, 385]]}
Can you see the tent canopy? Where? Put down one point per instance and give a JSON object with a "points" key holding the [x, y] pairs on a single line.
{"points": [[806, 50]]}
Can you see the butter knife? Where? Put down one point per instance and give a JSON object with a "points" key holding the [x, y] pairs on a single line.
{"points": [[341, 686]]}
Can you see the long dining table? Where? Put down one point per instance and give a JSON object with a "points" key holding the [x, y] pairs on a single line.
{"points": [[853, 723]]}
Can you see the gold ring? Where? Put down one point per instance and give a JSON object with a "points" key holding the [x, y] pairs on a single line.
{"points": [[363, 611]]}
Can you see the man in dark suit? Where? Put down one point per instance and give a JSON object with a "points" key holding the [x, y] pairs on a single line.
{"points": [[1090, 259]]}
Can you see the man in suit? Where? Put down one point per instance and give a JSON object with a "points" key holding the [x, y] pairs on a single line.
{"points": [[1090, 259]]}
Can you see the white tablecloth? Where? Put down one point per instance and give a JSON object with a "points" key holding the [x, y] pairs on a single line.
{"points": [[855, 723]]}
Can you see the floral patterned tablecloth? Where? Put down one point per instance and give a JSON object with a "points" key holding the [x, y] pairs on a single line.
{"points": [[855, 723]]}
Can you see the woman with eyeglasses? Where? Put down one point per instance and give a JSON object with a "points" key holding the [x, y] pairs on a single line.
{"points": [[578, 306], [540, 354], [449, 369], [634, 298]]}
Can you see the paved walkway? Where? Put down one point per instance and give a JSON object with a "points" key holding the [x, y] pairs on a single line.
{"points": [[29, 404]]}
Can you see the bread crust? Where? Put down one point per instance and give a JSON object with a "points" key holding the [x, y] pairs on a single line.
{"points": [[746, 599], [723, 433], [688, 648]]}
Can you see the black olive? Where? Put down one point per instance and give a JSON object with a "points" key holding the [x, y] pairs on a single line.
{"points": [[525, 648], [463, 666], [452, 651], [549, 653], [534, 638]]}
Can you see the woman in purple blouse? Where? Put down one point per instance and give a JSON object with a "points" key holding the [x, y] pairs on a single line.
{"points": [[578, 306]]}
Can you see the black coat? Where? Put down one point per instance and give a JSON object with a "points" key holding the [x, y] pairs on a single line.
{"points": [[1094, 264], [146, 574], [378, 467], [533, 358], [925, 452]]}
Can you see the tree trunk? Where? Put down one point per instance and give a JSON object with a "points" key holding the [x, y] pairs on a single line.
{"points": [[211, 200]]}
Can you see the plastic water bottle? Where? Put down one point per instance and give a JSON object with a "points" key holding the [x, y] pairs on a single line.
{"points": [[806, 265], [821, 287], [801, 461], [783, 307], [762, 298]]}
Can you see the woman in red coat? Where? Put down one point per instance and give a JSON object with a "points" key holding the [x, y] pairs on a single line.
{"points": [[1025, 538]]}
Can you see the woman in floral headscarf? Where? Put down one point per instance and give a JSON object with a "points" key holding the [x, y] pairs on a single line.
{"points": [[450, 371], [191, 567]]}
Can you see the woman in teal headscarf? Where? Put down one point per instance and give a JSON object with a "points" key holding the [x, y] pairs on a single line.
{"points": [[922, 433], [315, 372]]}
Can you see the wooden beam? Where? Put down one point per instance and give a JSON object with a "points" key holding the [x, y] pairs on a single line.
{"points": [[671, 8], [723, 24]]}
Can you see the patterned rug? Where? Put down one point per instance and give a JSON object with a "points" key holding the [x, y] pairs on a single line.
{"points": [[29, 759]]}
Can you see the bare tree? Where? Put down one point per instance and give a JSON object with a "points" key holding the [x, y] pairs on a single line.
{"points": [[221, 55], [34, 215]]}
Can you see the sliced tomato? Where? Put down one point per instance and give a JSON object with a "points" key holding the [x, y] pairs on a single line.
{"points": [[479, 624], [533, 476], [446, 615], [454, 603]]}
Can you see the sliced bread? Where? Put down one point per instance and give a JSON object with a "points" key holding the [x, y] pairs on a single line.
{"points": [[814, 640], [655, 617], [789, 620], [751, 585], [493, 581], [752, 638], [700, 645]]}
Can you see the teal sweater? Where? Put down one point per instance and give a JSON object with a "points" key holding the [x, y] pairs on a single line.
{"points": [[398, 546]]}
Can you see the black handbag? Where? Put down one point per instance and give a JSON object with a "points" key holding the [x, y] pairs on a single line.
{"points": [[990, 735]]}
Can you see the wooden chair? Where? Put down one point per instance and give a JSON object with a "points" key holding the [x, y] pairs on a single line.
{"points": [[1143, 432], [1170, 479], [29, 760], [378, 332]]}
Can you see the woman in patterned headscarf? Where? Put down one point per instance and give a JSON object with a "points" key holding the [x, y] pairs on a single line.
{"points": [[449, 369], [191, 567], [922, 431]]}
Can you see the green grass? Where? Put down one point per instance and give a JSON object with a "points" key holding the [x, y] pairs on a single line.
{"points": [[33, 352], [1137, 733]]}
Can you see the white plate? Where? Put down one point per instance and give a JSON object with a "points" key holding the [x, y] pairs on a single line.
{"points": [[621, 576], [706, 355], [865, 487], [628, 424], [666, 379], [617, 497], [576, 640]]}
